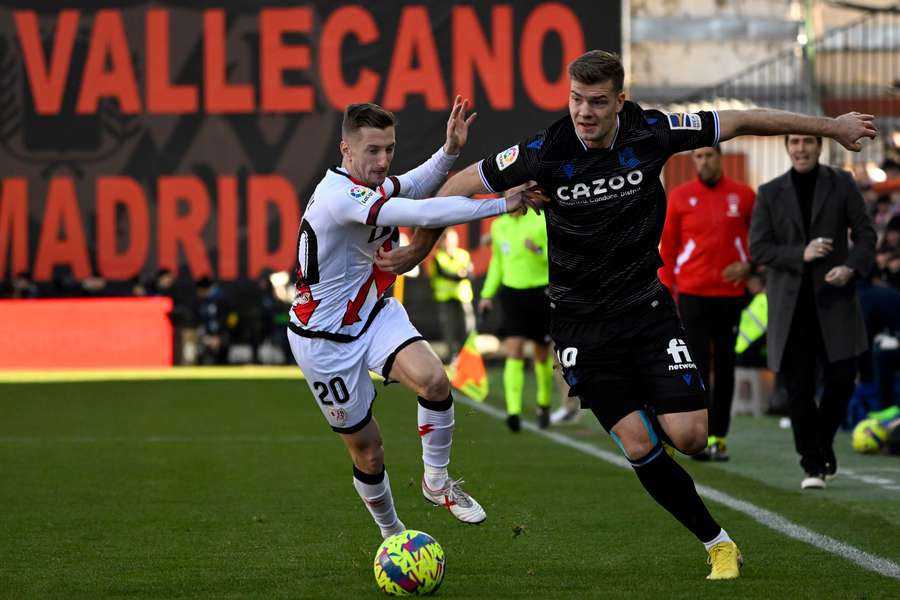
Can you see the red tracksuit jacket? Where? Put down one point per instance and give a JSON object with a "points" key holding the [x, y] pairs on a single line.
{"points": [[706, 230]]}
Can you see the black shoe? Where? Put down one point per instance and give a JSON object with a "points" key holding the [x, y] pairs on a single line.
{"points": [[703, 455], [830, 465], [543, 416], [514, 422], [718, 450], [813, 481]]}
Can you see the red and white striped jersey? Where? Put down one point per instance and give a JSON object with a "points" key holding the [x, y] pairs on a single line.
{"points": [[337, 283], [339, 288]]}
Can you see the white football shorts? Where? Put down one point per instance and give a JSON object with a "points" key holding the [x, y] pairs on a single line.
{"points": [[338, 372]]}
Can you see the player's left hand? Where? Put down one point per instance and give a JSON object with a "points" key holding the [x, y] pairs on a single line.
{"points": [[852, 127], [522, 197], [458, 126], [399, 260], [736, 273], [839, 276]]}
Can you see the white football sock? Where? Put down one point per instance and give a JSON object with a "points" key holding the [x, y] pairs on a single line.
{"points": [[722, 537], [436, 431], [378, 499]]}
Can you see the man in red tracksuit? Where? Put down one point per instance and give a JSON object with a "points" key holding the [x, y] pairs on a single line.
{"points": [[706, 260]]}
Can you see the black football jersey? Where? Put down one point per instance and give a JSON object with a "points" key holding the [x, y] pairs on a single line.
{"points": [[607, 205]]}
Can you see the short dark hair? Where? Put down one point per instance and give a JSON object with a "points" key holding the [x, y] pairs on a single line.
{"points": [[366, 114], [788, 136], [598, 66]]}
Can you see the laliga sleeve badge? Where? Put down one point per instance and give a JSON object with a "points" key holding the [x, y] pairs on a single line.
{"points": [[361, 194], [507, 157]]}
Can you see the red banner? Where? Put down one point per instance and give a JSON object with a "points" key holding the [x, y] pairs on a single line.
{"points": [[86, 333], [189, 135]]}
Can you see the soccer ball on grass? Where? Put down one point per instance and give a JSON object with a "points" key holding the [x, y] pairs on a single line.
{"points": [[410, 563], [869, 436]]}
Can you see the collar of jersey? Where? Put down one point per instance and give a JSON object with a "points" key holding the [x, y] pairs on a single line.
{"points": [[611, 144], [340, 171]]}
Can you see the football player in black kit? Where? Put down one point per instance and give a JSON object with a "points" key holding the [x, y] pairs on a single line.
{"points": [[615, 328]]}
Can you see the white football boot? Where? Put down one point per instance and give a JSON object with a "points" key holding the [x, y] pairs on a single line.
{"points": [[452, 497]]}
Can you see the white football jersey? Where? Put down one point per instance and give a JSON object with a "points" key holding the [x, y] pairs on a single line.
{"points": [[338, 284]]}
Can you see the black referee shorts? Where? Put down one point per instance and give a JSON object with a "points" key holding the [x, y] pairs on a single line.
{"points": [[636, 360], [526, 313]]}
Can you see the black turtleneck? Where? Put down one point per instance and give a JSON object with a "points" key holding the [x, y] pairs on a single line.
{"points": [[805, 186]]}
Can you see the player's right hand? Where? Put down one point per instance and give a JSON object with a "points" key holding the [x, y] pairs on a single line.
{"points": [[399, 260], [852, 127]]}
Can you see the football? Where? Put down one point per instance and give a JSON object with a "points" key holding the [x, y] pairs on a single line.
{"points": [[869, 436], [410, 563]]}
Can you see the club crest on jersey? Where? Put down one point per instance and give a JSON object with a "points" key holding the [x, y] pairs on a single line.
{"points": [[734, 205], [685, 121], [507, 157], [339, 415], [361, 194]]}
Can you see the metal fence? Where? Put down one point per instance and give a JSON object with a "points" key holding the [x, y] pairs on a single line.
{"points": [[855, 67]]}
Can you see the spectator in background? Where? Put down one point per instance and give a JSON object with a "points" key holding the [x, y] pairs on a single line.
{"points": [[163, 284], [884, 212], [799, 232], [63, 283], [519, 273], [887, 256], [706, 260], [212, 327], [138, 287], [750, 347], [881, 310], [268, 324], [449, 271], [23, 286], [94, 286]]}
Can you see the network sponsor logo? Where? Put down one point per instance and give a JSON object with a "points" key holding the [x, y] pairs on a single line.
{"points": [[681, 358]]}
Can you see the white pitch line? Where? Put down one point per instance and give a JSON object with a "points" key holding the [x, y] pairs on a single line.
{"points": [[870, 562]]}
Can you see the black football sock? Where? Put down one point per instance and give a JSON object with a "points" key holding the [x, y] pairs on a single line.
{"points": [[674, 490]]}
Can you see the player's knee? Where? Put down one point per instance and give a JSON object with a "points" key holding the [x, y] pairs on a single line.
{"points": [[634, 445], [691, 438], [435, 386]]}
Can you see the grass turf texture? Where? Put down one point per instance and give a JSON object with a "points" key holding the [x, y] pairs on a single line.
{"points": [[237, 489]]}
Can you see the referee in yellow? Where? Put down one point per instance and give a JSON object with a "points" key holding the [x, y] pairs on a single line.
{"points": [[518, 278]]}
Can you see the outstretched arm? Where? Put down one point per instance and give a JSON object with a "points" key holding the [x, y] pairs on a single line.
{"points": [[846, 129], [403, 259], [400, 260]]}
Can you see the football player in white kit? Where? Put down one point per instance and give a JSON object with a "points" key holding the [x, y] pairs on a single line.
{"points": [[341, 325]]}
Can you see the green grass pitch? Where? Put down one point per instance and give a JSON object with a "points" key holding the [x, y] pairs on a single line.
{"points": [[238, 489]]}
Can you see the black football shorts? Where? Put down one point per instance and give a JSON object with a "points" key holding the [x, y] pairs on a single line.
{"points": [[526, 313], [633, 361]]}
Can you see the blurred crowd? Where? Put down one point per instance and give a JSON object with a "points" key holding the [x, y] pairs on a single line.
{"points": [[213, 323], [883, 203]]}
